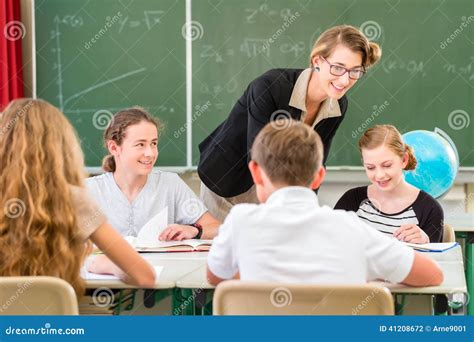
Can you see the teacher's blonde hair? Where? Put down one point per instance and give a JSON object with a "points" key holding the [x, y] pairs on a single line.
{"points": [[350, 37]]}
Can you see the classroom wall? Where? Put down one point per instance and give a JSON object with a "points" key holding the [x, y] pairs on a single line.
{"points": [[28, 47], [459, 199]]}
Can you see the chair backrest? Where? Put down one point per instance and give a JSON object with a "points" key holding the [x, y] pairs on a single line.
{"points": [[448, 233], [237, 297], [37, 296]]}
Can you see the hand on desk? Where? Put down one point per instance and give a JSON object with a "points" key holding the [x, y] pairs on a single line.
{"points": [[178, 232], [101, 264], [411, 233]]}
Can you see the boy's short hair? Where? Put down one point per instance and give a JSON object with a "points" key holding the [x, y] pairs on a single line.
{"points": [[290, 152]]}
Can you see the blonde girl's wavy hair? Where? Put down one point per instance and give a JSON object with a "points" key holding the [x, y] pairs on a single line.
{"points": [[41, 160], [352, 38], [389, 136]]}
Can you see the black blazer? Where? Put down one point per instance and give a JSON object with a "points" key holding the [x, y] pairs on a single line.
{"points": [[225, 152]]}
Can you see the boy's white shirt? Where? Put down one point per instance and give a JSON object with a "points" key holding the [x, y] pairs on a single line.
{"points": [[290, 238]]}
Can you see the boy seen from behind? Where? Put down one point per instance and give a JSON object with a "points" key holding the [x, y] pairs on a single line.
{"points": [[290, 238]]}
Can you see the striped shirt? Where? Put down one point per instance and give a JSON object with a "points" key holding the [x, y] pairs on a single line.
{"points": [[425, 212]]}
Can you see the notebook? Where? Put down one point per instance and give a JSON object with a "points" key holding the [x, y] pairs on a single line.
{"points": [[432, 247], [147, 238]]}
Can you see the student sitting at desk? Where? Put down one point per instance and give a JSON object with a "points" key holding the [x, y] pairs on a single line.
{"points": [[47, 216], [390, 204], [131, 193], [291, 238]]}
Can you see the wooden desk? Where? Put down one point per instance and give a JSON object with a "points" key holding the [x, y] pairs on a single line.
{"points": [[186, 272], [450, 262], [175, 266]]}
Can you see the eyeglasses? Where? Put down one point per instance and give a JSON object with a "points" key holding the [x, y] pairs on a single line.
{"points": [[337, 70]]}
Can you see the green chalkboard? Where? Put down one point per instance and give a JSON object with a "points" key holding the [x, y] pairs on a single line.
{"points": [[424, 80], [96, 57]]}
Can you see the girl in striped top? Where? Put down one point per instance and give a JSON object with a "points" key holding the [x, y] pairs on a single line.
{"points": [[390, 204]]}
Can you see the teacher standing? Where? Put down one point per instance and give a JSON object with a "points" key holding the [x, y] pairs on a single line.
{"points": [[316, 96]]}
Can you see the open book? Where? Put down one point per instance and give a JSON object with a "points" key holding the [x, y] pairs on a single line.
{"points": [[147, 239], [432, 247]]}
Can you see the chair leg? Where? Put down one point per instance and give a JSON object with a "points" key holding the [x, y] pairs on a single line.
{"points": [[440, 305], [399, 304]]}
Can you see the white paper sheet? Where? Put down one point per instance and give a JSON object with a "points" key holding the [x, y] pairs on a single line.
{"points": [[148, 235], [94, 276]]}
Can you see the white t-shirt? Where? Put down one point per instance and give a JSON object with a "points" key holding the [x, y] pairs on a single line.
{"points": [[162, 189], [292, 239]]}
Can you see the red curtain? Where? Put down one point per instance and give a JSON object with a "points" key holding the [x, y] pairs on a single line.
{"points": [[11, 35]]}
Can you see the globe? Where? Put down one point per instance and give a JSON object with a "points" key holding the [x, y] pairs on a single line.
{"points": [[438, 161]]}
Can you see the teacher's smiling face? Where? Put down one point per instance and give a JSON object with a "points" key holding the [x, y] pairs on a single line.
{"points": [[338, 72]]}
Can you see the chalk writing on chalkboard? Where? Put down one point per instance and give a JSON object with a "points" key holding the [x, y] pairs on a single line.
{"points": [[411, 66], [70, 20], [254, 46], [253, 15], [215, 90], [148, 20], [208, 51], [58, 65], [464, 70], [86, 112], [294, 48]]}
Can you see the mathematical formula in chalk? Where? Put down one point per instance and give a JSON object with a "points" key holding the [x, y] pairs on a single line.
{"points": [[254, 15], [464, 70], [148, 20], [412, 66]]}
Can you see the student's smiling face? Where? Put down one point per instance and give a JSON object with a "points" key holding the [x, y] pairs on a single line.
{"points": [[139, 149], [383, 167], [336, 86]]}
